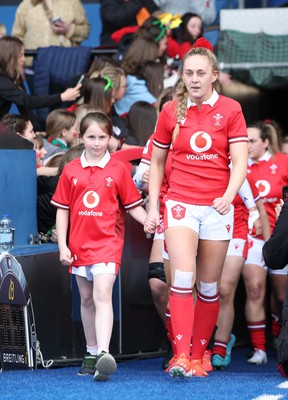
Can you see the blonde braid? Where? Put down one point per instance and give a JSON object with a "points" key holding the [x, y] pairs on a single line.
{"points": [[180, 96]]}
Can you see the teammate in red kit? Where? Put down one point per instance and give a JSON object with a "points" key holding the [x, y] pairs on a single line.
{"points": [[256, 223], [268, 167], [205, 129], [89, 196]]}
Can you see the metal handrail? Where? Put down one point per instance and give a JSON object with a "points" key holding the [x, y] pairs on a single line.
{"points": [[251, 65], [94, 52]]}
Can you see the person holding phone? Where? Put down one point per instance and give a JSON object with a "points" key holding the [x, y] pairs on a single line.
{"points": [[39, 23], [12, 91], [275, 253], [268, 167]]}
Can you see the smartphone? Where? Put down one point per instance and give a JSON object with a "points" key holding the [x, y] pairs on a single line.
{"points": [[55, 20], [80, 80], [285, 193]]}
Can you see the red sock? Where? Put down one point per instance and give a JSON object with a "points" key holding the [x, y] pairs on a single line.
{"points": [[219, 348], [182, 316], [206, 314], [257, 334], [275, 326], [169, 330]]}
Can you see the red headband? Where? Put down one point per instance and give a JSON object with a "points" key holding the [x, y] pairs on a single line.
{"points": [[202, 42]]}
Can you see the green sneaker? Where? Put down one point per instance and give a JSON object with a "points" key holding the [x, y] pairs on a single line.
{"points": [[88, 365], [230, 345], [219, 362], [105, 366]]}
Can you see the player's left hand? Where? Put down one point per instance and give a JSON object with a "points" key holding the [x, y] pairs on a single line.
{"points": [[221, 205]]}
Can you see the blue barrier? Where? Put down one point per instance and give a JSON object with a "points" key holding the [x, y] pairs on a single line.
{"points": [[19, 192]]}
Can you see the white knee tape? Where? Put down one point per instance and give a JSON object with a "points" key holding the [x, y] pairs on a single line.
{"points": [[183, 279], [208, 289]]}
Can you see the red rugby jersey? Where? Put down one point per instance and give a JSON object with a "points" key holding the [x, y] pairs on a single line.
{"points": [[270, 175], [94, 196], [200, 164]]}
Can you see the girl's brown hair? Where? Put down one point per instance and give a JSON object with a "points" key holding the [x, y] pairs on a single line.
{"points": [[100, 118], [10, 51], [142, 119], [38, 141], [70, 155], [96, 96], [99, 63], [165, 96], [181, 93], [115, 74], [153, 73], [141, 51], [16, 123], [58, 120]]}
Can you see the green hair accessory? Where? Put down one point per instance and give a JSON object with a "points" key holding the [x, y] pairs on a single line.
{"points": [[109, 83], [163, 29]]}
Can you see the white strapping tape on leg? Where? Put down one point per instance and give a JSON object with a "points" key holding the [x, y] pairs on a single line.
{"points": [[208, 289], [183, 279]]}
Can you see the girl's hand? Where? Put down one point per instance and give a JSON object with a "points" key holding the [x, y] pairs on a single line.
{"points": [[221, 205], [149, 226], [152, 221], [65, 256]]}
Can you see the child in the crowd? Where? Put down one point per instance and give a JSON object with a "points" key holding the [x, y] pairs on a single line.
{"points": [[19, 125], [39, 148], [117, 77], [98, 93], [183, 38], [61, 128], [141, 120], [90, 197], [46, 186]]}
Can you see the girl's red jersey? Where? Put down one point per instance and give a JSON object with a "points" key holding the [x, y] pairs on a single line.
{"points": [[94, 196]]}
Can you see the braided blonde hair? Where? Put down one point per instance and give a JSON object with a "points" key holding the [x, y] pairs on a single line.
{"points": [[181, 93]]}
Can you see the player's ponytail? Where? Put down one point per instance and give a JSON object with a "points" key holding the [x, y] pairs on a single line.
{"points": [[181, 96]]}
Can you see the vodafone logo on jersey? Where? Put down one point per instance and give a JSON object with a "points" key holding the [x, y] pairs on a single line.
{"points": [[90, 199], [200, 142], [263, 187]]}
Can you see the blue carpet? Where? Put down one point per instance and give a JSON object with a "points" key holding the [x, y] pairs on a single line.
{"points": [[144, 379]]}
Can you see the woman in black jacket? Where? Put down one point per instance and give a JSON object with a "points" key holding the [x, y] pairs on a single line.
{"points": [[12, 91], [275, 254]]}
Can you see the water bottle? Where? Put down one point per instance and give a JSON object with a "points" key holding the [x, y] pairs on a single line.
{"points": [[6, 234]]}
